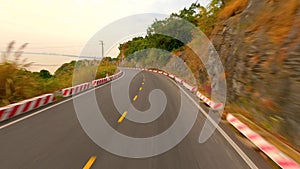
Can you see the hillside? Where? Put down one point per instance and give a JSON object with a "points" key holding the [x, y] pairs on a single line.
{"points": [[17, 83], [260, 49], [258, 42]]}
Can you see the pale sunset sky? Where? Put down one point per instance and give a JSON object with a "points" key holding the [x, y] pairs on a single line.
{"points": [[64, 26]]}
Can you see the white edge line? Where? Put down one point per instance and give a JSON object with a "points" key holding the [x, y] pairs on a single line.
{"points": [[222, 132], [59, 103]]}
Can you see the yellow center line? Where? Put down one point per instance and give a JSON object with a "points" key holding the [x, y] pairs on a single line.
{"points": [[135, 97], [89, 164], [122, 117], [141, 88]]}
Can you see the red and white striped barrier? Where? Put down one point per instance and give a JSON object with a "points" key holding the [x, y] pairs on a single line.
{"points": [[213, 105], [115, 76], [70, 91], [271, 151], [66, 92], [191, 88], [15, 109], [178, 80], [171, 76], [99, 82]]}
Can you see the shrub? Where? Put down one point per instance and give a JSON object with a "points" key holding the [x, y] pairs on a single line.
{"points": [[231, 8]]}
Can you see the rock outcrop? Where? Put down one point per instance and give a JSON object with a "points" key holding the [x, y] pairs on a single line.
{"points": [[260, 50]]}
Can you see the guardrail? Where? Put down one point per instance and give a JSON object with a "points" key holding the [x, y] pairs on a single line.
{"points": [[271, 151], [16, 109], [27, 105], [212, 104], [66, 92], [70, 91]]}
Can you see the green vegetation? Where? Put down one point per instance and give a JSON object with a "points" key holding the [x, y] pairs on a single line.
{"points": [[17, 83], [45, 74], [199, 16], [154, 49], [108, 66]]}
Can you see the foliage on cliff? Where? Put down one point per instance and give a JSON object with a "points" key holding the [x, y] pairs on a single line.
{"points": [[259, 46], [258, 43], [201, 17]]}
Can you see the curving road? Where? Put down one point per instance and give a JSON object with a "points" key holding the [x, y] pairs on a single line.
{"points": [[53, 138]]}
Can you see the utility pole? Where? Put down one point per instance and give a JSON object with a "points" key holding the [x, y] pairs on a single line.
{"points": [[102, 47]]}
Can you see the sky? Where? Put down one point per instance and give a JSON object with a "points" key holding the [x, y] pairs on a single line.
{"points": [[65, 26]]}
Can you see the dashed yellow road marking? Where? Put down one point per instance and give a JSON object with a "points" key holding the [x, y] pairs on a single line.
{"points": [[122, 117], [141, 89], [89, 164], [135, 97]]}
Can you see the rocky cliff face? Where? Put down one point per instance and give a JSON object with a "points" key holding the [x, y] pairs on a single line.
{"points": [[260, 50]]}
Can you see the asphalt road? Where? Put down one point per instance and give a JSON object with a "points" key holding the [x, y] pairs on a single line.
{"points": [[54, 139]]}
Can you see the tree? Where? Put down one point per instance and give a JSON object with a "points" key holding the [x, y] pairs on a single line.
{"points": [[175, 31], [45, 74]]}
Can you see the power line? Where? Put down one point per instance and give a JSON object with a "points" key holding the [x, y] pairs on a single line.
{"points": [[57, 47], [53, 54], [51, 65]]}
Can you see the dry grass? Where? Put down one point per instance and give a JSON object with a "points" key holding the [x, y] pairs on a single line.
{"points": [[234, 108], [254, 60], [246, 116], [231, 8], [277, 19], [13, 76], [282, 20], [17, 84], [193, 62], [278, 141], [269, 104]]}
